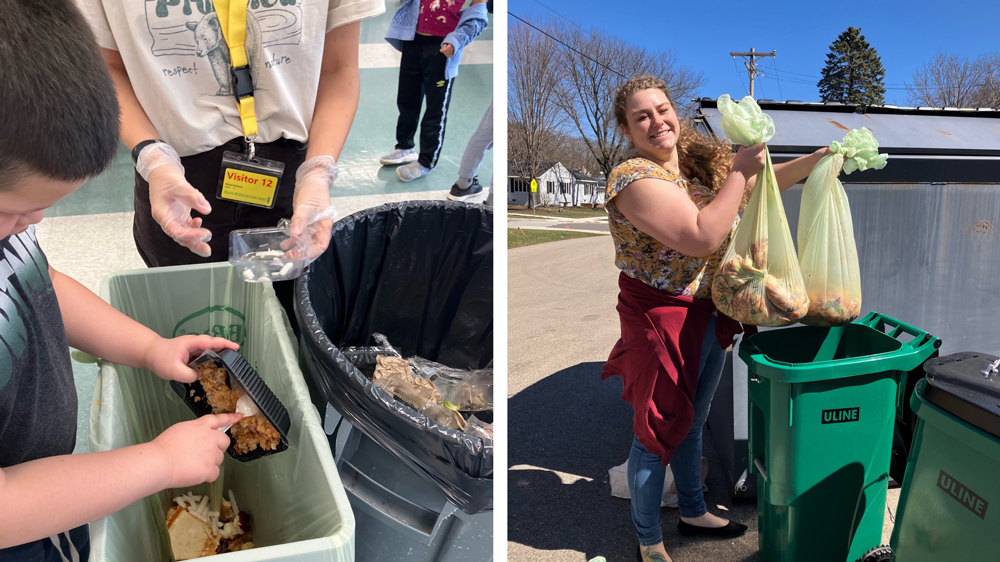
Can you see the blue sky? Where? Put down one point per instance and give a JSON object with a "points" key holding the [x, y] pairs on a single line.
{"points": [[905, 34]]}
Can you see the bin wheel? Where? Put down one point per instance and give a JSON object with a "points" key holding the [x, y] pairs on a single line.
{"points": [[877, 554]]}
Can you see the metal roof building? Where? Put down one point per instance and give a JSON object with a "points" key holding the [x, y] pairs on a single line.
{"points": [[924, 144]]}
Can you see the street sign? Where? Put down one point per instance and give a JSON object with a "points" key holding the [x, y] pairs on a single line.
{"points": [[534, 186]]}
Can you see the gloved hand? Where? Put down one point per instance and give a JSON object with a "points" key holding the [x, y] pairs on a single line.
{"points": [[171, 198], [312, 211]]}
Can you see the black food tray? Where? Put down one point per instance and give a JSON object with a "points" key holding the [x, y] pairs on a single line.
{"points": [[238, 368]]}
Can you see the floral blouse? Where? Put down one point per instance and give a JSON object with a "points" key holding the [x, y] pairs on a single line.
{"points": [[641, 256]]}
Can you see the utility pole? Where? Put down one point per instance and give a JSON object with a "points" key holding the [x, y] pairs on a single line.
{"points": [[751, 63]]}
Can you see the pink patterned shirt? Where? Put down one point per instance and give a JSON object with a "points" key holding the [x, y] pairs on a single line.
{"points": [[438, 17]]}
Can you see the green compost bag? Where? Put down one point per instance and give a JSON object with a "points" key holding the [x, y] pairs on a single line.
{"points": [[758, 281], [296, 500], [828, 255]]}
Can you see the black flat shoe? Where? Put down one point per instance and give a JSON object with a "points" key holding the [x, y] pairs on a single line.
{"points": [[731, 530]]}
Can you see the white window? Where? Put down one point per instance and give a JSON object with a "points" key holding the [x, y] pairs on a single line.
{"points": [[550, 187], [563, 188], [519, 186]]}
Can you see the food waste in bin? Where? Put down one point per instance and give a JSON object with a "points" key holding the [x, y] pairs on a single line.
{"points": [[226, 383], [460, 399], [196, 531], [828, 254], [758, 281]]}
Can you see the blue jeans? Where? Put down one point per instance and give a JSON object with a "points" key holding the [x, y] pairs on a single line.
{"points": [[646, 472]]}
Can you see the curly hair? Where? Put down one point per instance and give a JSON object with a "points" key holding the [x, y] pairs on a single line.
{"points": [[700, 157]]}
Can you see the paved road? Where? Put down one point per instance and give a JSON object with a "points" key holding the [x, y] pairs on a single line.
{"points": [[567, 427]]}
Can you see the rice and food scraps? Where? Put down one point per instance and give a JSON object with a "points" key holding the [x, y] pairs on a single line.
{"points": [[196, 531], [251, 431], [743, 290]]}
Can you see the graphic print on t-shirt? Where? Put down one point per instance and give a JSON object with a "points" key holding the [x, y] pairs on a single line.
{"points": [[21, 261], [190, 28]]}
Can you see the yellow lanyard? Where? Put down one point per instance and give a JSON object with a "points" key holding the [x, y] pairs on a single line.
{"points": [[233, 21]]}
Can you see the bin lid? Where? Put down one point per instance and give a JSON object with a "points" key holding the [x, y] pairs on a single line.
{"points": [[957, 384]]}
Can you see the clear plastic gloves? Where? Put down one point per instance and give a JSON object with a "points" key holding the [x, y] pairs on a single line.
{"points": [[313, 212], [171, 198]]}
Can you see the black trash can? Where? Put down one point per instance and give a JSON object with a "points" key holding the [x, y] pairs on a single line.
{"points": [[421, 273]]}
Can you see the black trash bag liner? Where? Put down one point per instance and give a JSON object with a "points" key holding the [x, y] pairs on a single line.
{"points": [[420, 272]]}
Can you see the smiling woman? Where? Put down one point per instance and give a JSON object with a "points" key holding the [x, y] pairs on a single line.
{"points": [[672, 211]]}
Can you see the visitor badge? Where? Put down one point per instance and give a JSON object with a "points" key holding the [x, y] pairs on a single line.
{"points": [[249, 181]]}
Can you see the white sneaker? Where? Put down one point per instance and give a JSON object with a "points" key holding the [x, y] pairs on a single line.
{"points": [[399, 156], [412, 171]]}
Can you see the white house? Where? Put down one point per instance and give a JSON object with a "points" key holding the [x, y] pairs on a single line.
{"points": [[557, 186]]}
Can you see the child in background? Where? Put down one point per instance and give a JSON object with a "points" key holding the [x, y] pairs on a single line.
{"points": [[467, 187], [60, 127], [431, 35]]}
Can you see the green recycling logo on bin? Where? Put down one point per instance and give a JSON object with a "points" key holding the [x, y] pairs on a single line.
{"points": [[216, 321]]}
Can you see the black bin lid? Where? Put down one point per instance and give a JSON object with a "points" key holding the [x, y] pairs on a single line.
{"points": [[956, 384]]}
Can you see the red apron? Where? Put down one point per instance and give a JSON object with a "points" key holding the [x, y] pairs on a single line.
{"points": [[658, 356]]}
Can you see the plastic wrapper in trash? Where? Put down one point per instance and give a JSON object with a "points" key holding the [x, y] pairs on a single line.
{"points": [[480, 428], [758, 281], [828, 255], [468, 390], [421, 273], [299, 507]]}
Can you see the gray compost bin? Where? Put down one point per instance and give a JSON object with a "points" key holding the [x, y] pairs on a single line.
{"points": [[925, 227]]}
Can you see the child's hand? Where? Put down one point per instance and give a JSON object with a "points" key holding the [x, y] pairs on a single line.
{"points": [[193, 450], [168, 358], [448, 49]]}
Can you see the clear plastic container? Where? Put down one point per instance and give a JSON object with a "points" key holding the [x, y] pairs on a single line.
{"points": [[266, 254], [469, 391]]}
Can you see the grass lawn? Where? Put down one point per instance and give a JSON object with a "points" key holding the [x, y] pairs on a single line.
{"points": [[517, 238], [567, 212]]}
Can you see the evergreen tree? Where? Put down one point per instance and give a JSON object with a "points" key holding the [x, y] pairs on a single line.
{"points": [[853, 71]]}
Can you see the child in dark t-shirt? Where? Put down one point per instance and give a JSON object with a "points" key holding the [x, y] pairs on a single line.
{"points": [[60, 120]]}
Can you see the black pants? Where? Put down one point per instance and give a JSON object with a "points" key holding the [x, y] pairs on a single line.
{"points": [[422, 74], [45, 550], [202, 172]]}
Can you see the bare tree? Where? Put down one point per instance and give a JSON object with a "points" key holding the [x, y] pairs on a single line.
{"points": [[594, 65], [957, 81], [532, 117], [572, 151]]}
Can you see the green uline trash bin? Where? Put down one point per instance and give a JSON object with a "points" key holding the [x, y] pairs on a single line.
{"points": [[949, 502], [822, 412]]}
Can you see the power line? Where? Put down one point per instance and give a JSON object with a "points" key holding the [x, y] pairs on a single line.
{"points": [[774, 63], [738, 73], [560, 15], [752, 58], [814, 77], [509, 13]]}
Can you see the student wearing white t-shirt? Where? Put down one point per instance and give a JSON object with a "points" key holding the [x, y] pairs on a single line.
{"points": [[171, 65]]}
